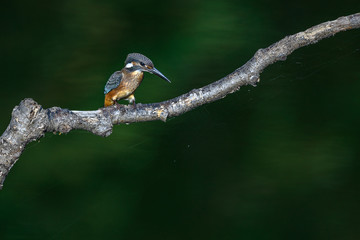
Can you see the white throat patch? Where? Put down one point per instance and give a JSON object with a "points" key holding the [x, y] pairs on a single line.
{"points": [[129, 65]]}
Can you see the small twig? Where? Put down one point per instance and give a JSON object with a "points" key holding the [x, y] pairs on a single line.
{"points": [[30, 121]]}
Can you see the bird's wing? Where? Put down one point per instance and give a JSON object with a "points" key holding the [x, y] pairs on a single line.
{"points": [[113, 81]]}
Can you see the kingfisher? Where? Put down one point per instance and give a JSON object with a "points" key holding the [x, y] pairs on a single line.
{"points": [[122, 84]]}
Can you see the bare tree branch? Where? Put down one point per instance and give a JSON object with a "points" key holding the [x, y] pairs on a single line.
{"points": [[30, 121]]}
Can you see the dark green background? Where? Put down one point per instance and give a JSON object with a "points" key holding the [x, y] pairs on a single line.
{"points": [[279, 161]]}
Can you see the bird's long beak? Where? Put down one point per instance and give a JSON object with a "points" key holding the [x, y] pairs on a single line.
{"points": [[158, 73]]}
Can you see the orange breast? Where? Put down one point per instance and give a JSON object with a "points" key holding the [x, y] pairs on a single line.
{"points": [[127, 86]]}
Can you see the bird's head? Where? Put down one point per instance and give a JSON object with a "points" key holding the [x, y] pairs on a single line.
{"points": [[138, 62]]}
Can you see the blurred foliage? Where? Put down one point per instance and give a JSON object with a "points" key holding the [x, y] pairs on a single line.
{"points": [[279, 161]]}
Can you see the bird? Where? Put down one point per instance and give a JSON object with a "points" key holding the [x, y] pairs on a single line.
{"points": [[122, 84]]}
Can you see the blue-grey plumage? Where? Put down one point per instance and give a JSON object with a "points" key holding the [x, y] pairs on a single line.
{"points": [[122, 84], [113, 82]]}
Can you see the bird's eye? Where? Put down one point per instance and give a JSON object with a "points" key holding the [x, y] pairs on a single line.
{"points": [[142, 64]]}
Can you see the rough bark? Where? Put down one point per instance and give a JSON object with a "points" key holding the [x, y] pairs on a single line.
{"points": [[30, 121]]}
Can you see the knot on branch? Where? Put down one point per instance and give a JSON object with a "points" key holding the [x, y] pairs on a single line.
{"points": [[28, 120], [162, 113]]}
